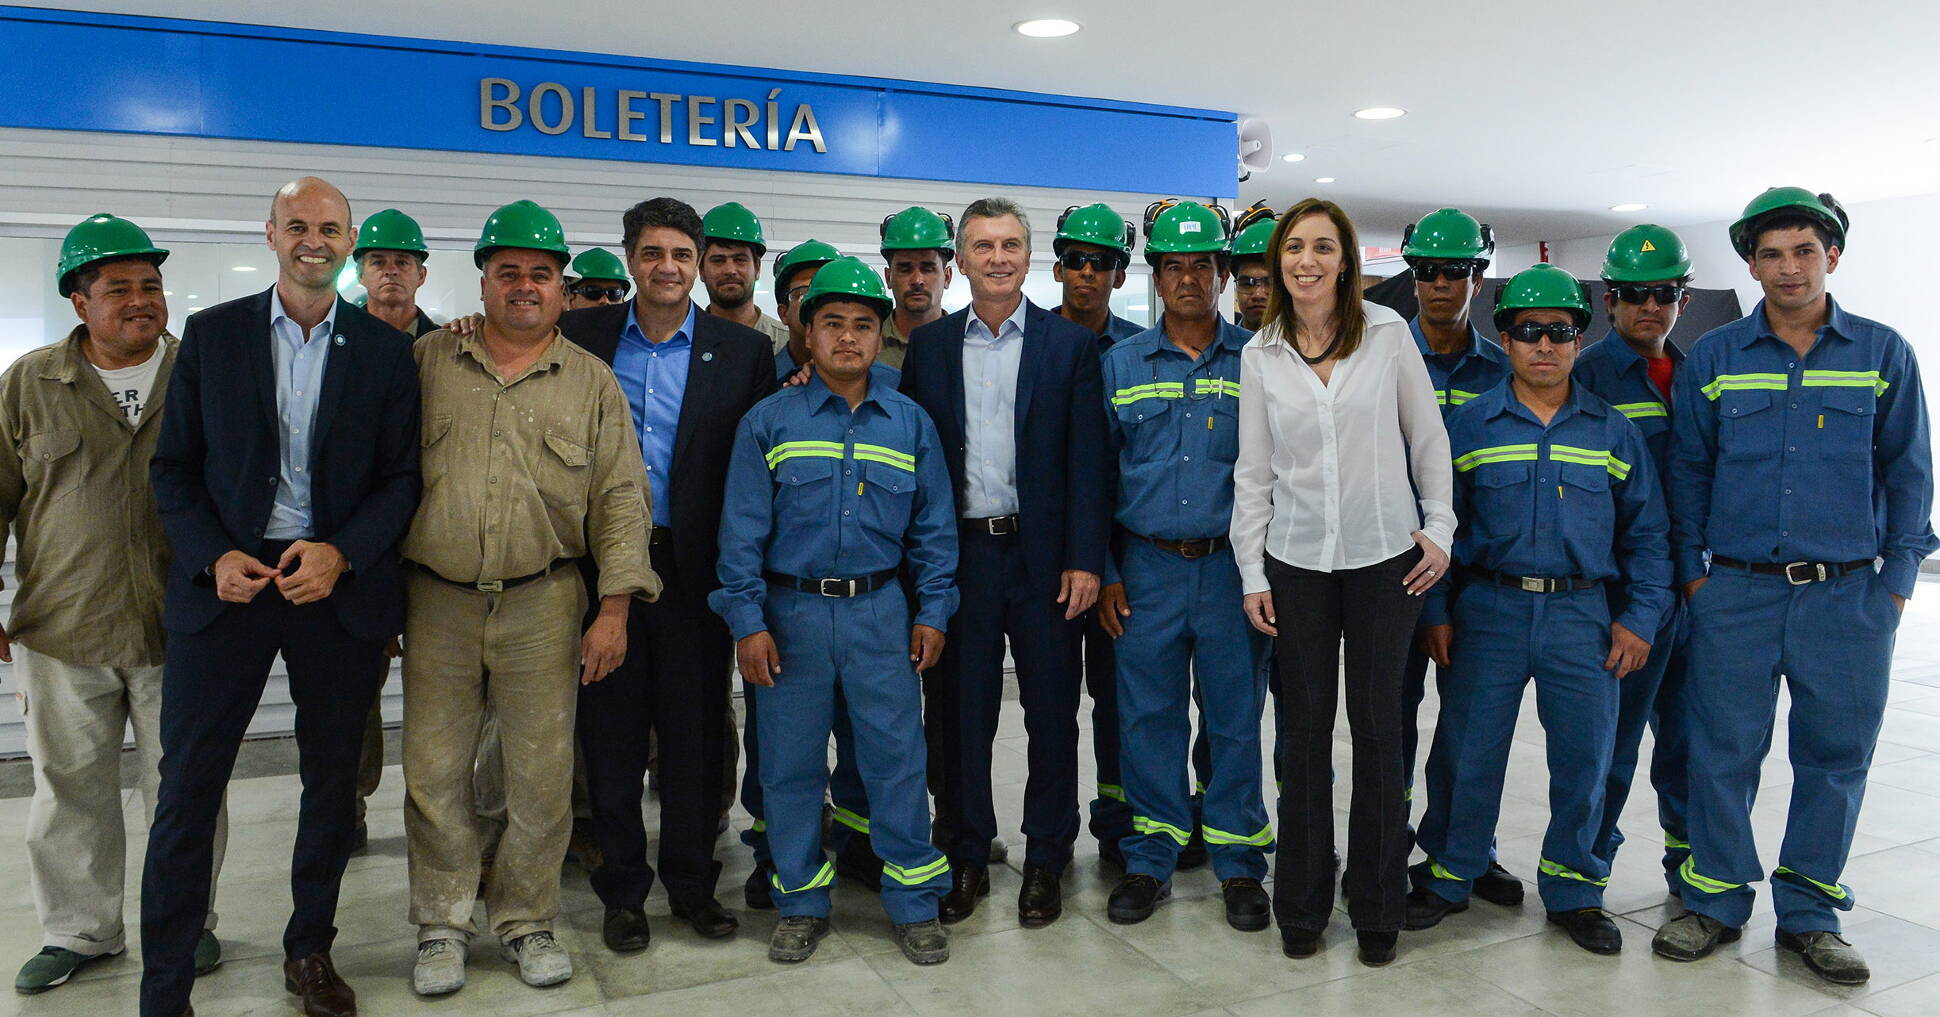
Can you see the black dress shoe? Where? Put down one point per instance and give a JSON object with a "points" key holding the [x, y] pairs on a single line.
{"points": [[755, 890], [857, 860], [1497, 886], [359, 839], [706, 915], [625, 930], [1377, 948], [1135, 898], [1040, 900], [1426, 909], [967, 883], [1590, 929], [1297, 943], [1247, 907]]}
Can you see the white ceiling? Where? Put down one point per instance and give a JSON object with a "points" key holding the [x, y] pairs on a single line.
{"points": [[1536, 116]]}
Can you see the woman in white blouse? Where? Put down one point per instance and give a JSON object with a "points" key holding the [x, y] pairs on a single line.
{"points": [[1342, 518]]}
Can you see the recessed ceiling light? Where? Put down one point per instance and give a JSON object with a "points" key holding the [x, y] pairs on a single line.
{"points": [[244, 268], [1380, 113], [194, 297], [1046, 28], [1292, 157], [1323, 180], [1629, 206]]}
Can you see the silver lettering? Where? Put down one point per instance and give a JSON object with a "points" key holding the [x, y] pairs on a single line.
{"points": [[487, 102]]}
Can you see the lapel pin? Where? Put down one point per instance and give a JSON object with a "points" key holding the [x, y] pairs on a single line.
{"points": [[340, 340], [705, 357]]}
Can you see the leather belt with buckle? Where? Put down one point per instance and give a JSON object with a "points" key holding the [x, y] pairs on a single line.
{"points": [[1798, 573], [1532, 584], [1188, 549], [994, 526], [834, 587], [499, 585]]}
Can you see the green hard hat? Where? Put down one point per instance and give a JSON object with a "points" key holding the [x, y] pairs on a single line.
{"points": [[390, 230], [1094, 224], [1793, 199], [732, 221], [1185, 228], [1542, 286], [1253, 240], [598, 263], [521, 224], [917, 229], [846, 278], [1646, 253], [804, 253], [100, 237], [1448, 233]]}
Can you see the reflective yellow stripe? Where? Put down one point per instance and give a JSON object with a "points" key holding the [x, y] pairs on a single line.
{"points": [[1590, 457], [1111, 791], [1457, 397], [803, 450], [853, 821], [822, 878], [917, 876], [1496, 454], [873, 457], [884, 454], [1690, 875], [1674, 843], [1259, 840], [1741, 382], [1561, 871], [1441, 397], [1846, 379], [1637, 410], [1435, 869], [1156, 390], [1148, 825], [1216, 386], [760, 827], [1832, 890]]}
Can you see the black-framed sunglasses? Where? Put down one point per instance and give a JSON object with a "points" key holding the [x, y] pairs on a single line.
{"points": [[1666, 294], [1533, 332], [597, 291], [1078, 261], [1252, 282], [1453, 271]]}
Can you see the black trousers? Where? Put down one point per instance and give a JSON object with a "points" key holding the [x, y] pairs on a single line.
{"points": [[211, 684], [1371, 613], [673, 682]]}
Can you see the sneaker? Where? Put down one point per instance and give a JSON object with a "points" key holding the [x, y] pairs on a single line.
{"points": [[1691, 936], [441, 967], [795, 938], [208, 953], [51, 967], [924, 942], [1828, 955], [541, 960]]}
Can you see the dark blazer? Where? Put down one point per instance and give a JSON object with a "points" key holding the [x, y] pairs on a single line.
{"points": [[1063, 469], [218, 458], [732, 367]]}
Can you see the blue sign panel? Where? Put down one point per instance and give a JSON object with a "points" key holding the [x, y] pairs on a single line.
{"points": [[92, 72]]}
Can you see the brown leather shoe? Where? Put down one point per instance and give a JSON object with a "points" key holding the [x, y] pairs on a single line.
{"points": [[967, 883], [1040, 900], [323, 991]]}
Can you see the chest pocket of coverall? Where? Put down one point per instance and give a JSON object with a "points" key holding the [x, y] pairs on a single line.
{"points": [[805, 489], [1224, 414], [48, 463], [1502, 492], [1588, 517], [888, 494], [1846, 423], [1748, 427], [433, 458], [568, 464]]}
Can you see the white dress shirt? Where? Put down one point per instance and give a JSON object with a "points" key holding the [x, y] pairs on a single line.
{"points": [[1322, 481], [990, 364]]}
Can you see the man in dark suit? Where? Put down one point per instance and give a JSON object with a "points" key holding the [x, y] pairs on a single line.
{"points": [[1015, 394], [688, 377], [286, 473]]}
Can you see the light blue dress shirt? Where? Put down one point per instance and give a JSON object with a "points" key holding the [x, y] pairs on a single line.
{"points": [[654, 378], [299, 361], [990, 365]]}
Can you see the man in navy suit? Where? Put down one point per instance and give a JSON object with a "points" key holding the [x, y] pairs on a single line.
{"points": [[286, 473], [1016, 397]]}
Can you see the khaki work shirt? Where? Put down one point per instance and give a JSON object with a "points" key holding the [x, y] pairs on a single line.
{"points": [[520, 473], [776, 330], [894, 344], [92, 556]]}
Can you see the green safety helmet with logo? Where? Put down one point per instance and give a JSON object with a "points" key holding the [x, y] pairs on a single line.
{"points": [[807, 252], [390, 230], [521, 224], [1253, 240], [1448, 234], [1542, 286], [917, 229], [1647, 253], [598, 263], [1184, 227], [1097, 225], [1794, 200], [846, 278], [101, 237], [733, 222]]}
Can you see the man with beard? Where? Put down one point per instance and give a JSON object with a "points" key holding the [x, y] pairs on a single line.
{"points": [[917, 245], [732, 246]]}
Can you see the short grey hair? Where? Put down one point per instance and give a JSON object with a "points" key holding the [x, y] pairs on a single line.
{"points": [[993, 208]]}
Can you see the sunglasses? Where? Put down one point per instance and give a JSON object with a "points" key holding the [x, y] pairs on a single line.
{"points": [[1632, 293], [1533, 332], [1453, 271], [593, 291], [1078, 261], [1252, 282]]}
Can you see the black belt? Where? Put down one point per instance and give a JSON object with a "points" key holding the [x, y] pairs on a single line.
{"points": [[499, 585], [834, 587], [994, 526], [1798, 573], [1531, 584], [1188, 549]]}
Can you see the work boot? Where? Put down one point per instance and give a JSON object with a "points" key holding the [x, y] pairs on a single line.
{"points": [[440, 969], [52, 967], [1590, 929], [1248, 908], [541, 959], [1828, 955], [1135, 898], [1426, 909], [1377, 948], [1691, 936], [755, 890], [924, 942], [1498, 887], [795, 938], [208, 953], [857, 860], [1298, 943]]}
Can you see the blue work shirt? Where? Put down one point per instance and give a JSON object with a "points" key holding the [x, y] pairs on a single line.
{"points": [[1174, 423], [1620, 376], [881, 373], [1576, 498], [990, 366], [1821, 458], [817, 491], [299, 360], [1475, 371], [1117, 329], [654, 378]]}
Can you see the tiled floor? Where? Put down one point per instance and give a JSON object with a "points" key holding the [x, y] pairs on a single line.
{"points": [[1184, 961]]}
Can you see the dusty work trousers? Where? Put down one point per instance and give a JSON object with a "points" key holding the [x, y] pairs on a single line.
{"points": [[77, 848], [518, 651]]}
